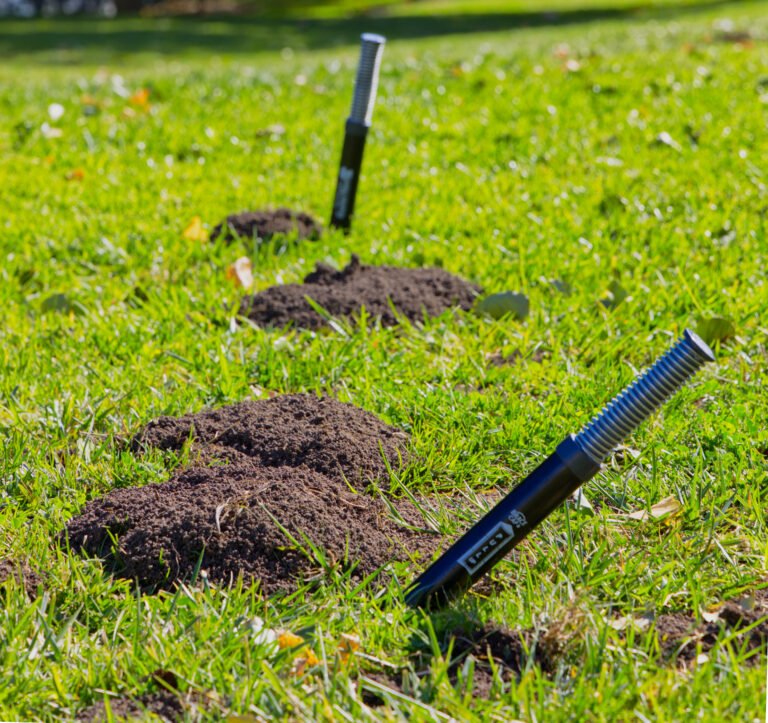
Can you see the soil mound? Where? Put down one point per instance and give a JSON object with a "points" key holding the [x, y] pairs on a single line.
{"points": [[165, 705], [414, 293], [276, 506], [22, 574], [327, 436], [275, 525], [266, 224]]}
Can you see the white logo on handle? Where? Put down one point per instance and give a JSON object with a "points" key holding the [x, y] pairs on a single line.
{"points": [[493, 541]]}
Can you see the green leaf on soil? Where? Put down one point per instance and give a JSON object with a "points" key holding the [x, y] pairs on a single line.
{"points": [[615, 294], [62, 304], [505, 303]]}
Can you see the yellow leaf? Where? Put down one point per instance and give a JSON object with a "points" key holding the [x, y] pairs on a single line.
{"points": [[140, 99], [289, 640], [663, 508], [306, 660], [240, 272], [196, 231]]}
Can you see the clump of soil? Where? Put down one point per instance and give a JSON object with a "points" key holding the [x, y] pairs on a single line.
{"points": [[491, 647], [328, 436], [277, 507], [372, 697], [22, 574], [494, 647], [681, 637], [414, 293], [497, 359], [264, 225], [241, 518], [165, 704]]}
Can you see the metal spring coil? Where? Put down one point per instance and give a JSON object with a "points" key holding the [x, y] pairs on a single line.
{"points": [[367, 80], [645, 395]]}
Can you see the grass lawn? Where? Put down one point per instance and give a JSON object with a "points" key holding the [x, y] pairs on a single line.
{"points": [[511, 149]]}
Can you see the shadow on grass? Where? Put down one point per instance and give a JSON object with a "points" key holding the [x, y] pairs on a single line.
{"points": [[91, 40]]}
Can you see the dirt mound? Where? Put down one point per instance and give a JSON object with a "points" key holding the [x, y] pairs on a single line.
{"points": [[265, 224], [336, 439], [414, 293], [276, 507], [22, 574], [274, 525], [164, 705]]}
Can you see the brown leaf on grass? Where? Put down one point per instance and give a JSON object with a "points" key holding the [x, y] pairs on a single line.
{"points": [[663, 508], [78, 174], [240, 273], [195, 231], [306, 659], [348, 645]]}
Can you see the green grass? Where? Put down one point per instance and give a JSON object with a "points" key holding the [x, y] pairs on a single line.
{"points": [[488, 157]]}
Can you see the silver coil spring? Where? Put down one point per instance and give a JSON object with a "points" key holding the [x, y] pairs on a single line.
{"points": [[367, 81], [646, 394]]}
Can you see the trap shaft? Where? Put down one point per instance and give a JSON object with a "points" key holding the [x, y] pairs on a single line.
{"points": [[356, 129], [575, 461]]}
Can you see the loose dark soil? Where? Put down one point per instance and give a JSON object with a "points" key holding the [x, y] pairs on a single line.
{"points": [[494, 647], [264, 225], [682, 638], [22, 573], [279, 487], [372, 697], [491, 647], [240, 518], [336, 439], [164, 704], [414, 293]]}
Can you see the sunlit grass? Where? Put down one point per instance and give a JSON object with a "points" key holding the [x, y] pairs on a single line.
{"points": [[629, 152]]}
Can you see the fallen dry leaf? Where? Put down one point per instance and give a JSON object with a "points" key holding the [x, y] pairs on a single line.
{"points": [[306, 659], [348, 645], [663, 508], [240, 272], [289, 640], [140, 99], [628, 621], [196, 231]]}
